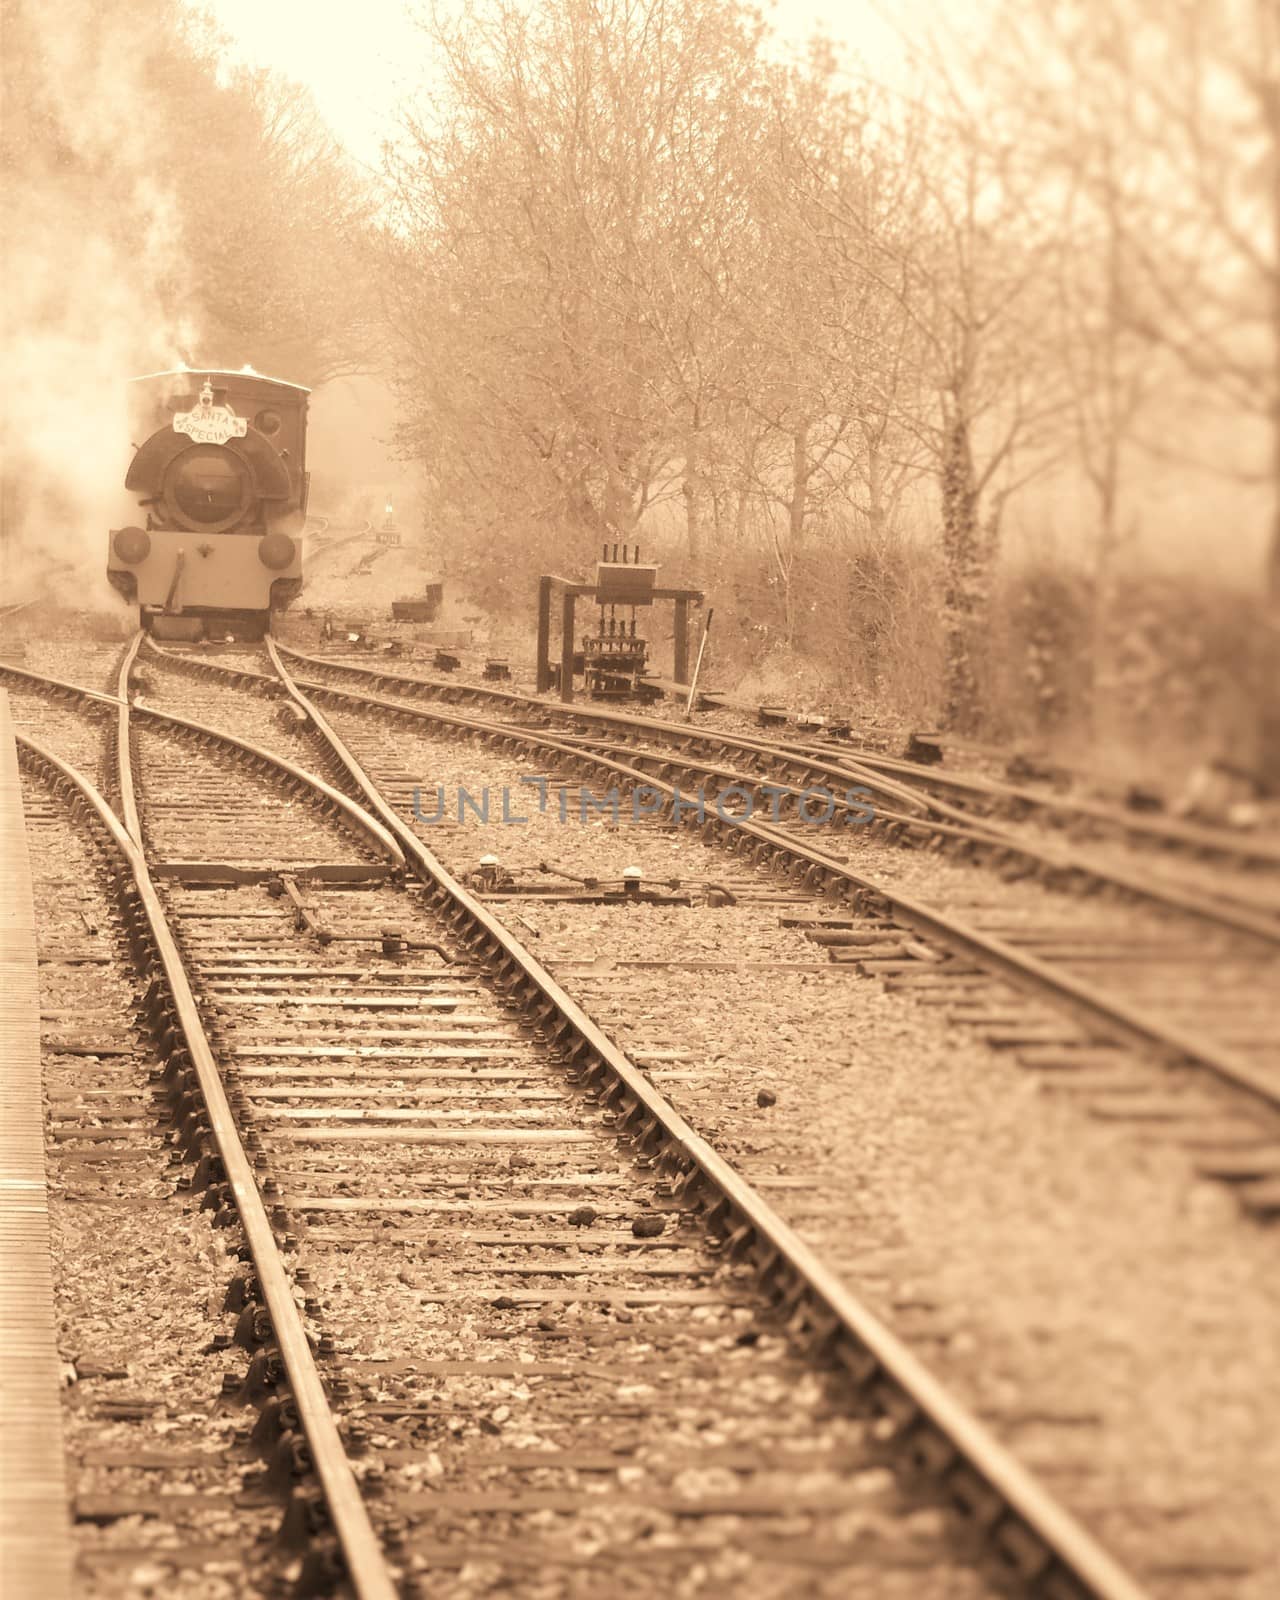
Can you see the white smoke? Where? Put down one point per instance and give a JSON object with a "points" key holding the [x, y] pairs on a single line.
{"points": [[83, 279]]}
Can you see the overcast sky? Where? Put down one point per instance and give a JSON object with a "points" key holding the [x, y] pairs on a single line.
{"points": [[358, 60]]}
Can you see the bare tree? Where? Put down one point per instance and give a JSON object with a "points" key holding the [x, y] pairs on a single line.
{"points": [[963, 257], [1162, 118], [821, 346], [278, 231], [566, 223]]}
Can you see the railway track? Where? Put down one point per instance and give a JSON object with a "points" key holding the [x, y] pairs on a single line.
{"points": [[154, 1480], [939, 795], [985, 795], [1015, 829], [332, 542], [1187, 980], [576, 1341], [904, 807], [205, 1129]]}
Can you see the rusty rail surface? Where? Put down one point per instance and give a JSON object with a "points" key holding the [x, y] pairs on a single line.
{"points": [[1025, 1527], [369, 1575]]}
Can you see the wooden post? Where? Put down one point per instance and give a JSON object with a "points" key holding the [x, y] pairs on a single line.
{"points": [[680, 639], [693, 687], [566, 647], [544, 635]]}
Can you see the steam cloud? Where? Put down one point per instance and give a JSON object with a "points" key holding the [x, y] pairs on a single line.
{"points": [[93, 237]]}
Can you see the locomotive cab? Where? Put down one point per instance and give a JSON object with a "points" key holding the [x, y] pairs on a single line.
{"points": [[220, 480]]}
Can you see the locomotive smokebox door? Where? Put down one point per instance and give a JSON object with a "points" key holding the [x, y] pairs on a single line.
{"points": [[221, 476], [621, 584]]}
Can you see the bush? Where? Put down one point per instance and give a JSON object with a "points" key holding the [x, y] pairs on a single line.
{"points": [[1034, 657], [1179, 678], [1175, 682]]}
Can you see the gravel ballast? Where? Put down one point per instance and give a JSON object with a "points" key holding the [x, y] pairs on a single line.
{"points": [[140, 1276], [1107, 1311]]}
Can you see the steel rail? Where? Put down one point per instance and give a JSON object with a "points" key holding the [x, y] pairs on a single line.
{"points": [[1170, 830], [1115, 1017], [1211, 907], [1137, 1025], [354, 814], [124, 762], [868, 1349], [331, 545], [671, 730], [870, 765], [1132, 1023], [367, 1569], [959, 826], [976, 830], [871, 1352]]}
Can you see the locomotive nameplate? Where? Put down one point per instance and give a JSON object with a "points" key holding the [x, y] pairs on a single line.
{"points": [[210, 424]]}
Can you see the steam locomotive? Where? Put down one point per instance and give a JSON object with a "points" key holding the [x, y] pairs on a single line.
{"points": [[221, 474]]}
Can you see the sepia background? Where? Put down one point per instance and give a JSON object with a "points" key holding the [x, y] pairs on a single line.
{"points": [[939, 344]]}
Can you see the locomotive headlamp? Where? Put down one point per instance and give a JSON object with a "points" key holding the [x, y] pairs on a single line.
{"points": [[276, 551], [131, 544]]}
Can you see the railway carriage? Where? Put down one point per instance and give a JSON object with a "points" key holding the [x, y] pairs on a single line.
{"points": [[221, 475]]}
